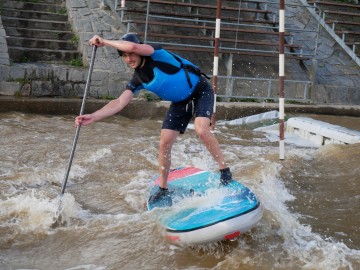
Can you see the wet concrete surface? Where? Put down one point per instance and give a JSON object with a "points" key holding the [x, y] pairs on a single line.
{"points": [[139, 108]]}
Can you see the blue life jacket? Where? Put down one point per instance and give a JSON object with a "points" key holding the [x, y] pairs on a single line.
{"points": [[174, 87]]}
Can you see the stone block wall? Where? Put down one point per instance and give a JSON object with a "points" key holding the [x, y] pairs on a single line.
{"points": [[109, 76], [4, 56]]}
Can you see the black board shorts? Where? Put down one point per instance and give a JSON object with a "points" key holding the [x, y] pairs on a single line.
{"points": [[199, 104]]}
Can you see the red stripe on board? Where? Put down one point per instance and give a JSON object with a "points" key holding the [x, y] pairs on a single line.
{"points": [[181, 173], [233, 235], [173, 238]]}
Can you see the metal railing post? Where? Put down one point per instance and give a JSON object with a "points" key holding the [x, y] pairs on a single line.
{"points": [[147, 20]]}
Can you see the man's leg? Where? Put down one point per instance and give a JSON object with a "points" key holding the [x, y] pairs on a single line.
{"points": [[202, 129], [167, 139]]}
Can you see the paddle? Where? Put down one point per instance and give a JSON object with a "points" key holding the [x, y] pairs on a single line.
{"points": [[87, 86]]}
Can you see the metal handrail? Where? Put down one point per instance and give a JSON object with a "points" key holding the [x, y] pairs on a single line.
{"points": [[225, 48], [320, 19], [148, 15], [231, 79]]}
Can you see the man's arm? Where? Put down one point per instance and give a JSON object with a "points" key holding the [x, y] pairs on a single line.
{"points": [[122, 45], [109, 109]]}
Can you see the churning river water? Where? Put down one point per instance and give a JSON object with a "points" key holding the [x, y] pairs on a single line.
{"points": [[311, 199]]}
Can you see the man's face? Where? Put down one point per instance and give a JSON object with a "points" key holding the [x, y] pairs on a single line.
{"points": [[133, 60]]}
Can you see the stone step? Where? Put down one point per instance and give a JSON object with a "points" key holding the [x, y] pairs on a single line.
{"points": [[35, 24], [40, 43], [21, 54], [39, 33], [35, 6], [35, 15], [50, 2]]}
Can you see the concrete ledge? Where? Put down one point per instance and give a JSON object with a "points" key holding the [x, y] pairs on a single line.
{"points": [[156, 109], [321, 133], [252, 119]]}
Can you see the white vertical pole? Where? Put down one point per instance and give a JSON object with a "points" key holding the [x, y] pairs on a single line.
{"points": [[216, 57], [147, 20], [122, 8], [281, 79]]}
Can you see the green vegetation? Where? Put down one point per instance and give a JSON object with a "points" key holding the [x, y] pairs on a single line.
{"points": [[107, 97], [293, 102], [24, 59], [77, 62], [62, 11], [148, 96], [23, 80], [235, 99], [269, 100], [74, 40], [256, 100], [31, 1], [17, 94]]}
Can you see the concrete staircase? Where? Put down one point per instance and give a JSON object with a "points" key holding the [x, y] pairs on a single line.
{"points": [[38, 32]]}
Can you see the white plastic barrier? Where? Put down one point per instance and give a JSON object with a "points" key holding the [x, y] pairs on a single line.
{"points": [[251, 119], [321, 133], [314, 131]]}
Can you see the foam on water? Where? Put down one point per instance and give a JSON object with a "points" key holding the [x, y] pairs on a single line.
{"points": [[28, 212], [212, 197], [34, 212], [87, 267], [308, 249], [98, 155]]}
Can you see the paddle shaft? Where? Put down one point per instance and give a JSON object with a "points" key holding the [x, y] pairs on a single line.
{"points": [[87, 86]]}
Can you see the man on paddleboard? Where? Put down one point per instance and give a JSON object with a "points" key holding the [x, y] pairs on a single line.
{"points": [[174, 79]]}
